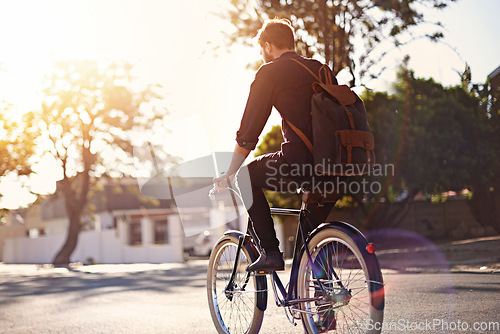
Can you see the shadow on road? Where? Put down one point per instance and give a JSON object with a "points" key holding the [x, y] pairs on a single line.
{"points": [[46, 281]]}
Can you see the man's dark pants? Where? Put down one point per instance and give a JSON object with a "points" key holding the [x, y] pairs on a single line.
{"points": [[271, 171]]}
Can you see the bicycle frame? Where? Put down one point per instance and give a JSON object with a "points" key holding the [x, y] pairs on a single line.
{"points": [[284, 297], [289, 298], [314, 291]]}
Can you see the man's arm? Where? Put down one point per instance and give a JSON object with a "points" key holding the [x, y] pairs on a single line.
{"points": [[257, 111], [239, 156]]}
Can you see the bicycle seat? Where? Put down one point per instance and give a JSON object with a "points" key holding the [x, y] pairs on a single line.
{"points": [[318, 197]]}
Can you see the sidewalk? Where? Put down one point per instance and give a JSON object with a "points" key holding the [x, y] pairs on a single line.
{"points": [[471, 255], [410, 255], [110, 269]]}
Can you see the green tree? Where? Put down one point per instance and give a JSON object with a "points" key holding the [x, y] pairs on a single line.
{"points": [[439, 139], [16, 142], [417, 131], [16, 145], [386, 124], [88, 118], [335, 28], [484, 165]]}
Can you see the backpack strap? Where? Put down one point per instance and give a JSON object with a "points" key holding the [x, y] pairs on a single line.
{"points": [[324, 68], [308, 70], [301, 135], [296, 129], [328, 74]]}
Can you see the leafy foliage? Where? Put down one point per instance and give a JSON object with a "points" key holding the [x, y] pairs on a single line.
{"points": [[333, 29], [90, 107], [439, 139], [447, 137], [16, 142], [272, 143]]}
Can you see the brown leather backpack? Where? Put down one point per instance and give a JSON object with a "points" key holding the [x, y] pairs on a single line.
{"points": [[342, 141]]}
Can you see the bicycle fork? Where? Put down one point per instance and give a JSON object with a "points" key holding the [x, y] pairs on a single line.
{"points": [[230, 285]]}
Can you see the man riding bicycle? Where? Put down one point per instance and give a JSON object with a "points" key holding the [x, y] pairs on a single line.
{"points": [[283, 84]]}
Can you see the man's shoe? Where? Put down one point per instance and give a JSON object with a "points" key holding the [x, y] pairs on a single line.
{"points": [[273, 261]]}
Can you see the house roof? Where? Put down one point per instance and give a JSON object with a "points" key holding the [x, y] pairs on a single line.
{"points": [[112, 197], [158, 192], [495, 73]]}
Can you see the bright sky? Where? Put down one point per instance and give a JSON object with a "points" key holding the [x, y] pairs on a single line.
{"points": [[166, 41]]}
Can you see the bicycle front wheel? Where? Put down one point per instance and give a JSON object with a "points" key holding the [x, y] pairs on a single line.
{"points": [[233, 307], [339, 287]]}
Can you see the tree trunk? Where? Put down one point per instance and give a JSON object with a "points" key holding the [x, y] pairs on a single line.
{"points": [[74, 206], [63, 256]]}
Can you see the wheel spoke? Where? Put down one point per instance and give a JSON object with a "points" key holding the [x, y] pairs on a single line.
{"points": [[344, 281], [234, 311]]}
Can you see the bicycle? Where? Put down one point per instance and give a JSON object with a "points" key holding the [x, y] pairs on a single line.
{"points": [[335, 280]]}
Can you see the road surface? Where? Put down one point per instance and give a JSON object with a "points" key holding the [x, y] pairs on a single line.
{"points": [[171, 298]]}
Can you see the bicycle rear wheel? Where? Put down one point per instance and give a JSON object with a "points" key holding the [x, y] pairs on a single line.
{"points": [[233, 309], [349, 298]]}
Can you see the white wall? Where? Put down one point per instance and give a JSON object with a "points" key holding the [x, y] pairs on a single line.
{"points": [[105, 246], [26, 250], [56, 226]]}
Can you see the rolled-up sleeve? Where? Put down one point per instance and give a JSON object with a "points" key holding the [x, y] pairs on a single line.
{"points": [[257, 110]]}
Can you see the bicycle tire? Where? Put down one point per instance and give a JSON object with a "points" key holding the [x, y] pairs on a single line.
{"points": [[356, 309], [237, 312]]}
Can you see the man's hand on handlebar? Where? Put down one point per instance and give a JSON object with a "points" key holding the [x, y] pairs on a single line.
{"points": [[222, 183]]}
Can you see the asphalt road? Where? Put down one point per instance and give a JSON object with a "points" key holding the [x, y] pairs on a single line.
{"points": [[171, 298]]}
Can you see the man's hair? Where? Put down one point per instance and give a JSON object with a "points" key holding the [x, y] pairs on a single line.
{"points": [[278, 32]]}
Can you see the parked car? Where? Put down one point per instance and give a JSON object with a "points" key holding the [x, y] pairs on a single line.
{"points": [[204, 243]]}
